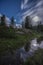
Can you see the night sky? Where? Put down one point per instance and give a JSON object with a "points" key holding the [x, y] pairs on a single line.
{"points": [[21, 8]]}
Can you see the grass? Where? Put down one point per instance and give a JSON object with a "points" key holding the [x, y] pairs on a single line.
{"points": [[17, 41], [36, 59]]}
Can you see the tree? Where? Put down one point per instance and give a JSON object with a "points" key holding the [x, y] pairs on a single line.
{"points": [[23, 24], [40, 39], [27, 22], [3, 27], [40, 27], [12, 22], [27, 46], [3, 20]]}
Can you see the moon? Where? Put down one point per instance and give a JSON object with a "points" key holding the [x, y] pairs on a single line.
{"points": [[36, 19]]}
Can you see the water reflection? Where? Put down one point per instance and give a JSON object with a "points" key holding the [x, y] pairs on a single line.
{"points": [[26, 54], [33, 47], [21, 55], [41, 45]]}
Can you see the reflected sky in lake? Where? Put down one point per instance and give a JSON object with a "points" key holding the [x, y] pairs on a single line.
{"points": [[34, 46]]}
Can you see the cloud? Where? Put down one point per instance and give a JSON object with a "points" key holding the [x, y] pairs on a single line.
{"points": [[39, 3], [24, 4], [0, 15], [27, 4], [18, 25], [22, 8], [40, 10], [36, 10], [30, 10]]}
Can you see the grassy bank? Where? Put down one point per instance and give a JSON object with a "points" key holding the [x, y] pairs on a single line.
{"points": [[16, 41]]}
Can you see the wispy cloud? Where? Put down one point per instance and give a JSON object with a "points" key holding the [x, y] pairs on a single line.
{"points": [[24, 4], [31, 9], [39, 3], [36, 10]]}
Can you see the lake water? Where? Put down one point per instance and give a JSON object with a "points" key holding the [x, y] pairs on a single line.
{"points": [[33, 47], [21, 55]]}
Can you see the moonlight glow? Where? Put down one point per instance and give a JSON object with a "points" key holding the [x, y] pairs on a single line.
{"points": [[34, 44], [36, 19]]}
